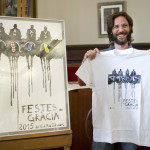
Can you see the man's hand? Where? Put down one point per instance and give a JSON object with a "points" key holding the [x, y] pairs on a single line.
{"points": [[91, 54]]}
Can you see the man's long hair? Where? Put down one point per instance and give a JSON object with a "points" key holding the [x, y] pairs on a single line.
{"points": [[110, 25]]}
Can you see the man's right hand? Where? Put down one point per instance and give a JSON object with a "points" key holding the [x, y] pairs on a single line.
{"points": [[91, 54]]}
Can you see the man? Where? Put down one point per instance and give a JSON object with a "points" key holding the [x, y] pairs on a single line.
{"points": [[45, 36], [15, 33], [3, 35], [119, 28], [31, 34], [114, 39], [1, 31]]}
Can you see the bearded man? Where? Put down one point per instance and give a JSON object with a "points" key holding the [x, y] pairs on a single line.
{"points": [[119, 29]]}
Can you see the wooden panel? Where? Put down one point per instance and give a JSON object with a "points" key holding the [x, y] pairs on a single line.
{"points": [[75, 53], [38, 142], [35, 135], [80, 104]]}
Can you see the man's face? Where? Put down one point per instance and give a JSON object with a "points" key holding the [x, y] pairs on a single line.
{"points": [[45, 28], [120, 30], [32, 26], [15, 26]]}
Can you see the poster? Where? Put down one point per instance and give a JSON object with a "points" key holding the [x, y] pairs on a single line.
{"points": [[33, 82]]}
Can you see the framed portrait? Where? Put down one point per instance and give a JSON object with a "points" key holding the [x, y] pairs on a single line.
{"points": [[18, 8], [104, 10]]}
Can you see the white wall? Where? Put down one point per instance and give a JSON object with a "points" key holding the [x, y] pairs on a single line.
{"points": [[81, 19]]}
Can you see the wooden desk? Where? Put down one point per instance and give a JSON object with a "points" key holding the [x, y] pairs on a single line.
{"points": [[37, 141]]}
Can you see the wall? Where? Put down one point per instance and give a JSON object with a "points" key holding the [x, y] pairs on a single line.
{"points": [[81, 19]]}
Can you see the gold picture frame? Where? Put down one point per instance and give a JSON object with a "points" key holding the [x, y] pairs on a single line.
{"points": [[104, 10], [18, 8]]}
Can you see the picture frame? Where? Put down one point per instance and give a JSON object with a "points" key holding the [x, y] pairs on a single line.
{"points": [[18, 8], [104, 10], [34, 64]]}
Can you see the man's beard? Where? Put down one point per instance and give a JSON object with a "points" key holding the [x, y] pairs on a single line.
{"points": [[118, 41]]}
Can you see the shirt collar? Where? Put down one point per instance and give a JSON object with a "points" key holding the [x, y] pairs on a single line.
{"points": [[111, 47]]}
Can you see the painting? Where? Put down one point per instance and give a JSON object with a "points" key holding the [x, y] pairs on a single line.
{"points": [[18, 8], [33, 76], [104, 10]]}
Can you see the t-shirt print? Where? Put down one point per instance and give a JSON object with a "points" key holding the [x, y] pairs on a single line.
{"points": [[124, 86]]}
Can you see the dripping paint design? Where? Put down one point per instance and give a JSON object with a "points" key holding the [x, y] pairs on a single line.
{"points": [[13, 46]]}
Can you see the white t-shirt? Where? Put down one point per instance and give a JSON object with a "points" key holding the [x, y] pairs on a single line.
{"points": [[120, 82]]}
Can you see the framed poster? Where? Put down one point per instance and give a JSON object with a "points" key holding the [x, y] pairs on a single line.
{"points": [[18, 8], [33, 76], [105, 9]]}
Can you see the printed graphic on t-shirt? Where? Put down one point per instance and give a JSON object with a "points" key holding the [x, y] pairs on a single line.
{"points": [[124, 88]]}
